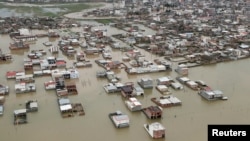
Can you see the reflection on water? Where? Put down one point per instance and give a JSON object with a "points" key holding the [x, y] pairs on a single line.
{"points": [[54, 10], [19, 52], [187, 122], [5, 12]]}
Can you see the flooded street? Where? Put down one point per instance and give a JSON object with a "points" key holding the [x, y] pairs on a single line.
{"points": [[186, 122]]}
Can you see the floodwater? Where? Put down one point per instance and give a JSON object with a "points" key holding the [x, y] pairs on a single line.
{"points": [[186, 122], [53, 10], [5, 12]]}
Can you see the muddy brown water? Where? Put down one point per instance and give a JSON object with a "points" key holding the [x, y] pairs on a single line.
{"points": [[186, 122]]}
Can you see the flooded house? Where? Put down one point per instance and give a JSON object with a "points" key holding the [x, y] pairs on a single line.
{"points": [[192, 84], [210, 94], [31, 105], [2, 100], [133, 104], [14, 74], [92, 51], [20, 116], [39, 52], [182, 69], [69, 109], [63, 92], [4, 90], [106, 55], [61, 63], [60, 82], [47, 43], [27, 78], [125, 59], [71, 88], [53, 34], [65, 107], [111, 88], [113, 65], [111, 76], [68, 50], [109, 64], [166, 101], [18, 44], [66, 74], [138, 91], [156, 130], [46, 72], [48, 63], [176, 85], [83, 44], [80, 56], [54, 49], [101, 74], [35, 61], [102, 62], [146, 69], [63, 43], [78, 109], [145, 83], [50, 85], [28, 65], [165, 80], [119, 119], [62, 88], [25, 87], [188, 82], [99, 33], [116, 45], [5, 56], [36, 54], [127, 91], [183, 79], [163, 89], [82, 64], [152, 112], [24, 35], [201, 84], [74, 42], [133, 54]]}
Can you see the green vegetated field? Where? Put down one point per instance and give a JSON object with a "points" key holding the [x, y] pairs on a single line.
{"points": [[38, 9]]}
